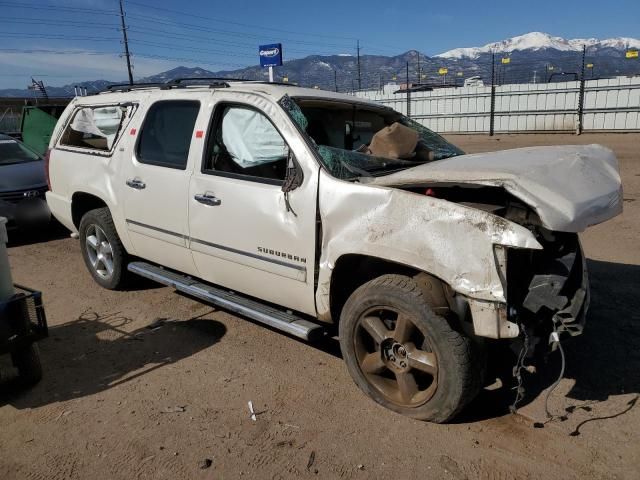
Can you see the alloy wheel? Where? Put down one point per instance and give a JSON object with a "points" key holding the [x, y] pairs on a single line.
{"points": [[99, 251], [395, 357]]}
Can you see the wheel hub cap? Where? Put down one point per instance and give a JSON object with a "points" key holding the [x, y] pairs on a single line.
{"points": [[395, 355]]}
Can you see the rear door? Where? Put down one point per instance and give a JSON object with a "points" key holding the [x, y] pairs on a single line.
{"points": [[245, 234], [156, 177]]}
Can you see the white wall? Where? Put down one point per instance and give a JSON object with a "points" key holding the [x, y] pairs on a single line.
{"points": [[609, 105]]}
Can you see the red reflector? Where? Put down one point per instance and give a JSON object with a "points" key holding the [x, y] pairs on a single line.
{"points": [[199, 134], [429, 192], [133, 131]]}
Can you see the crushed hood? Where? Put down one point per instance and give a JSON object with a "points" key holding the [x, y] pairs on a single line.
{"points": [[570, 187]]}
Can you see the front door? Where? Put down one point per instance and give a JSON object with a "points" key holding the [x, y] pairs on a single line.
{"points": [[245, 234], [156, 183]]}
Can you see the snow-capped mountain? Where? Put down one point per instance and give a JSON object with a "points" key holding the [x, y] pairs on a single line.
{"points": [[534, 57], [540, 41]]}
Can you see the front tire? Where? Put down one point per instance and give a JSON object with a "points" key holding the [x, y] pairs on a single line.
{"points": [[102, 251], [403, 355]]}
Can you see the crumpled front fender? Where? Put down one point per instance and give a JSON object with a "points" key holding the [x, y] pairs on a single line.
{"points": [[450, 241]]}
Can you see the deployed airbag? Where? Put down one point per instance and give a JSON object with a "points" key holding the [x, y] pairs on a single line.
{"points": [[250, 138], [101, 122]]}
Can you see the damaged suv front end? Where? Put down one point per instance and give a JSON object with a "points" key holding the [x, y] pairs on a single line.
{"points": [[554, 192], [499, 229], [488, 241]]}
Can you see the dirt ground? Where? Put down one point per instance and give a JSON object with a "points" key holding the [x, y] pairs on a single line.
{"points": [[120, 400]]}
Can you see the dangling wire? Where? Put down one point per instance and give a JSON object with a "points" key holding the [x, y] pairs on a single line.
{"points": [[555, 339], [517, 370]]}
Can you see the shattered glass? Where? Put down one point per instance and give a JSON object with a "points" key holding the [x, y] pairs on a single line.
{"points": [[345, 163], [294, 111], [349, 164]]}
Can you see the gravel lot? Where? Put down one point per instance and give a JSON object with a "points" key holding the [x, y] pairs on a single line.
{"points": [[120, 400]]}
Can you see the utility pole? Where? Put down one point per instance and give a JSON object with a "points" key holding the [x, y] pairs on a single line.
{"points": [[419, 70], [126, 44], [335, 79], [359, 78]]}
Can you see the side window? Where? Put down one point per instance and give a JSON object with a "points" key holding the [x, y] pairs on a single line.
{"points": [[95, 128], [243, 141], [167, 132]]}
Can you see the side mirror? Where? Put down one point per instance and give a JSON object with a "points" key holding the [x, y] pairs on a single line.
{"points": [[293, 177], [292, 180]]}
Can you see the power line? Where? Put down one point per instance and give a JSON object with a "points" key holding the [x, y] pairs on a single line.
{"points": [[198, 39], [148, 31], [146, 18], [69, 23], [226, 21], [55, 52], [58, 8], [51, 36]]}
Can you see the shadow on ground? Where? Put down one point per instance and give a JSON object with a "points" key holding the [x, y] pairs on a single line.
{"points": [[22, 237], [95, 353], [604, 361]]}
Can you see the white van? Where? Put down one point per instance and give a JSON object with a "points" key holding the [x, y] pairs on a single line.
{"points": [[319, 213]]}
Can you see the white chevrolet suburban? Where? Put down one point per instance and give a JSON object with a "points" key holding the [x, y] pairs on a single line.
{"points": [[319, 213]]}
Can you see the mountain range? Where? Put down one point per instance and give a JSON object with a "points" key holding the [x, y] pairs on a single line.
{"points": [[533, 57]]}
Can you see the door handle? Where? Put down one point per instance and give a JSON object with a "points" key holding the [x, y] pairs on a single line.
{"points": [[207, 199], [135, 183]]}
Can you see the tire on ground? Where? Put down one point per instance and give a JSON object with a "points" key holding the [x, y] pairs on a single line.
{"points": [[27, 361], [459, 362], [102, 218]]}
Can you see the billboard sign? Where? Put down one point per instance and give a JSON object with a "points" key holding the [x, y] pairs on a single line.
{"points": [[270, 55]]}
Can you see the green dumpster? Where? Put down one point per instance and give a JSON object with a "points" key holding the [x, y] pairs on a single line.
{"points": [[37, 125]]}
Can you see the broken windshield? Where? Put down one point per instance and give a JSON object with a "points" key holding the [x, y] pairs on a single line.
{"points": [[355, 140]]}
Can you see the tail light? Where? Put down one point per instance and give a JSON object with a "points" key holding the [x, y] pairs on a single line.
{"points": [[47, 161]]}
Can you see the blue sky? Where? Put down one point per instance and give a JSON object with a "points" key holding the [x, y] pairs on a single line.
{"points": [[64, 41]]}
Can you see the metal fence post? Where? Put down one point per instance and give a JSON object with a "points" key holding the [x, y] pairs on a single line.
{"points": [[408, 94], [580, 112], [493, 95]]}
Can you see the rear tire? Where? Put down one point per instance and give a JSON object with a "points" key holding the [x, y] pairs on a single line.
{"points": [[27, 361], [403, 355], [102, 251]]}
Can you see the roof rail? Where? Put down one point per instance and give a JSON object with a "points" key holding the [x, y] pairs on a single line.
{"points": [[178, 81], [126, 87], [266, 82]]}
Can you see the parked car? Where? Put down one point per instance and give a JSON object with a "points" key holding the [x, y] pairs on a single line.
{"points": [[22, 185], [317, 213], [473, 82]]}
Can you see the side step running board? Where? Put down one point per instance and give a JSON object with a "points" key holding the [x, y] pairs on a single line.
{"points": [[280, 319]]}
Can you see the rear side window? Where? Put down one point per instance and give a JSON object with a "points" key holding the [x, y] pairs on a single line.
{"points": [[95, 128], [167, 132]]}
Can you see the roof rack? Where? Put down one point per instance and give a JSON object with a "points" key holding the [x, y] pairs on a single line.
{"points": [[213, 82], [178, 81], [126, 87]]}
